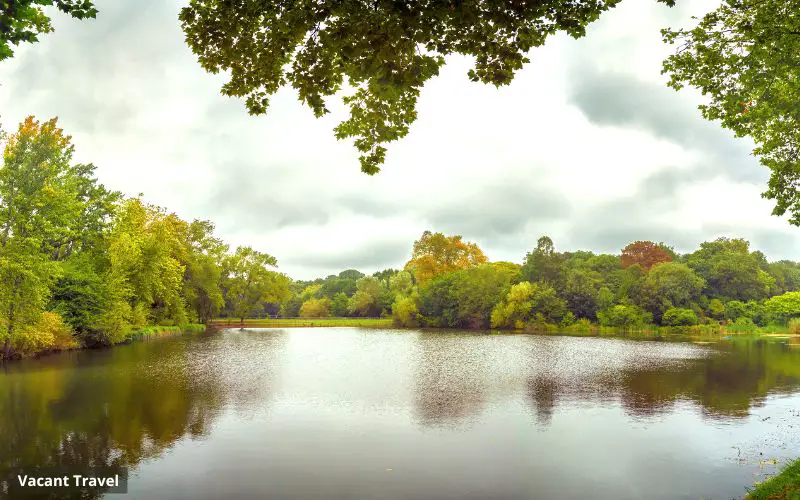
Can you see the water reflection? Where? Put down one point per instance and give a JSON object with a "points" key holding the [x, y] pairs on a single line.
{"points": [[457, 376], [346, 402], [118, 407], [450, 379]]}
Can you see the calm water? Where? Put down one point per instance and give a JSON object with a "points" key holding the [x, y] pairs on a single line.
{"points": [[348, 413]]}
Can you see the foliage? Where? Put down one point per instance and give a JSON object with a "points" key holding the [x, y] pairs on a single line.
{"points": [[716, 309], [465, 298], [731, 271], [24, 20], [745, 56], [784, 307], [543, 264], [381, 53], [339, 304], [676, 316], [645, 253], [405, 311], [523, 301], [435, 254], [366, 300], [624, 316], [250, 282], [316, 308]]}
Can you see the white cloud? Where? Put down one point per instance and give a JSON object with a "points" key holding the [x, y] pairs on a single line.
{"points": [[501, 166]]}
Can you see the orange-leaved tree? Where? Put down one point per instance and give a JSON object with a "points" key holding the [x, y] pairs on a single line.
{"points": [[645, 253]]}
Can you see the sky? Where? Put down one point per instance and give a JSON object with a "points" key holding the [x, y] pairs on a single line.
{"points": [[587, 145]]}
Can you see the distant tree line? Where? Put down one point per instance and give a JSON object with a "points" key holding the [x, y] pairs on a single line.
{"points": [[81, 265], [450, 283]]}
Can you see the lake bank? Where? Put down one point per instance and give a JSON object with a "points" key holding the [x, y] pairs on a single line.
{"points": [[784, 486], [578, 329], [139, 335], [686, 334]]}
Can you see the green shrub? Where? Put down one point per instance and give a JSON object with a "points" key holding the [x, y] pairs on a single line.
{"points": [[626, 317], [676, 316]]}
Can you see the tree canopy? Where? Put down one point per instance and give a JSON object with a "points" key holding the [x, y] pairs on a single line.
{"points": [[745, 56], [380, 52], [24, 20], [435, 253]]}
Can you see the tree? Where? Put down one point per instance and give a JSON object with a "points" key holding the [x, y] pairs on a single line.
{"points": [[784, 307], [523, 301], [401, 283], [351, 274], [624, 316], [250, 282], [675, 316], [203, 276], [404, 311], [745, 56], [366, 300], [716, 309], [339, 304], [316, 308], [645, 253], [580, 291], [24, 20], [465, 298], [605, 298], [435, 254], [543, 264], [49, 208], [384, 51], [675, 282], [731, 270]]}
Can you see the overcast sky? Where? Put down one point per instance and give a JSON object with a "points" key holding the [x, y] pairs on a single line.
{"points": [[587, 145]]}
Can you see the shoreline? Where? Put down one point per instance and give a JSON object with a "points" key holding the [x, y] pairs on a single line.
{"points": [[683, 334]]}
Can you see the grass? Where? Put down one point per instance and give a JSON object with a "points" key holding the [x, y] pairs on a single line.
{"points": [[784, 486], [163, 331], [305, 322]]}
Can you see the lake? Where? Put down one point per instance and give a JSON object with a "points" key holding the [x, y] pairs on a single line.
{"points": [[359, 413]]}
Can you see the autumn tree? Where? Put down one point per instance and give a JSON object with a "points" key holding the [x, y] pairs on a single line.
{"points": [[645, 253], [434, 254]]}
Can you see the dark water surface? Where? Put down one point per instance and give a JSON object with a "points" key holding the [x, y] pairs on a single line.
{"points": [[349, 413]]}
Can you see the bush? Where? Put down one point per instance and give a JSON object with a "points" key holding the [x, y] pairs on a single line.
{"points": [[676, 316], [50, 333], [404, 312], [315, 308], [583, 325], [794, 326], [621, 316]]}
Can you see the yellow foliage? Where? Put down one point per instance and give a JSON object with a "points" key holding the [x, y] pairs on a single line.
{"points": [[316, 308], [50, 333], [435, 254]]}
